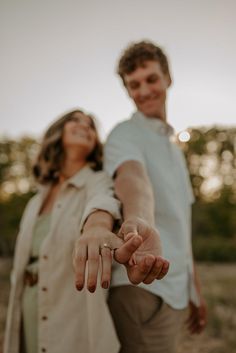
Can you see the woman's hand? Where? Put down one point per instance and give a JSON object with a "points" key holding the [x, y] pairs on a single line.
{"points": [[94, 250]]}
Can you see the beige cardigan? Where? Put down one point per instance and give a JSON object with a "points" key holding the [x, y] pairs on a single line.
{"points": [[76, 322]]}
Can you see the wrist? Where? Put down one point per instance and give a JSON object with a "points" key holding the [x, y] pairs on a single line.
{"points": [[139, 220]]}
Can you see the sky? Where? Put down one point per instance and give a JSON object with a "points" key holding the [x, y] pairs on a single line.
{"points": [[57, 55]]}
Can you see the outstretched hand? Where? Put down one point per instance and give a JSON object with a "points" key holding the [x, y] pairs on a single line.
{"points": [[146, 264], [94, 250], [137, 247]]}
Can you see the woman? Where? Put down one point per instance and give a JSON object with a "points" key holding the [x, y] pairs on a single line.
{"points": [[46, 313]]}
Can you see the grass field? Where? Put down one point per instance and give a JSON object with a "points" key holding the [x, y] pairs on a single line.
{"points": [[219, 287]]}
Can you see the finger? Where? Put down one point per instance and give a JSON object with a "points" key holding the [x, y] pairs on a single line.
{"points": [[155, 271], [194, 327], [127, 249], [194, 323], [129, 235], [115, 241], [191, 321], [202, 320], [128, 227], [93, 265], [106, 259], [202, 325], [139, 272], [165, 269], [79, 263]]}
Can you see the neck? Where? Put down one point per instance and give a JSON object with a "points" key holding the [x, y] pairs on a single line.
{"points": [[160, 115], [71, 165]]}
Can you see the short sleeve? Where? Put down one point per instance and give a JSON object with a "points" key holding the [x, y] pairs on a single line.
{"points": [[123, 144], [100, 196]]}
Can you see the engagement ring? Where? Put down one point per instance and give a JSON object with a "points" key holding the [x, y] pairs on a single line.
{"points": [[105, 245]]}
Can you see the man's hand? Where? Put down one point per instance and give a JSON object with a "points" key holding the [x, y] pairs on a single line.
{"points": [[146, 264], [197, 318]]}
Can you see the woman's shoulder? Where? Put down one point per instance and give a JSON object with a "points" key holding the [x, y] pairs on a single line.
{"points": [[99, 174], [98, 178]]}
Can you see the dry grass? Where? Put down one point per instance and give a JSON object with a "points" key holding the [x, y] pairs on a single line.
{"points": [[5, 267], [218, 285], [218, 282]]}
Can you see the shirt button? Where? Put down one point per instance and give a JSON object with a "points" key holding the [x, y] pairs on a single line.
{"points": [[43, 350], [44, 318], [45, 257], [44, 289]]}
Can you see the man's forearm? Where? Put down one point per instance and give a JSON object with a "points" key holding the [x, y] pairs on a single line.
{"points": [[134, 190]]}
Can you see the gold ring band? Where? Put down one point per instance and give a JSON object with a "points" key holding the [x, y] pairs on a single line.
{"points": [[105, 245]]}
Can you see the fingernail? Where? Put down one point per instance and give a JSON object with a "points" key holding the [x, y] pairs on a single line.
{"points": [[92, 289], [166, 265], [105, 285], [79, 287]]}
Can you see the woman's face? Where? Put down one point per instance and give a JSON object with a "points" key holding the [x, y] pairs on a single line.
{"points": [[79, 132]]}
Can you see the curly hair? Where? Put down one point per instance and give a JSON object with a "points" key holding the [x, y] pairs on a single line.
{"points": [[49, 161], [137, 53]]}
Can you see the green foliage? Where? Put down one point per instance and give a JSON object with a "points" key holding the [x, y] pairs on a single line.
{"points": [[16, 187], [16, 160], [215, 249], [210, 155], [215, 218], [11, 212]]}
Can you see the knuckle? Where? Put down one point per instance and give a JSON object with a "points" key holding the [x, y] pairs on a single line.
{"points": [[107, 255], [94, 257], [79, 258]]}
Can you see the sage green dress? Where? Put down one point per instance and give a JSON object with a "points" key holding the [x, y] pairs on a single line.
{"points": [[30, 294]]}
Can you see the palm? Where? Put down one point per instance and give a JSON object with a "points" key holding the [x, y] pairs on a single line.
{"points": [[151, 240], [145, 264]]}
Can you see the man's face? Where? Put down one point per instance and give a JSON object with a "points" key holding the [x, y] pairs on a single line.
{"points": [[147, 87]]}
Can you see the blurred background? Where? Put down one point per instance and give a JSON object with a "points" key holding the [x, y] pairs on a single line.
{"points": [[60, 55]]}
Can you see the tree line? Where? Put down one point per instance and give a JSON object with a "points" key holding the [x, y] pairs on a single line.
{"points": [[210, 156]]}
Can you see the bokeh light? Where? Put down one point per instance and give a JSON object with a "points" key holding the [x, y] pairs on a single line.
{"points": [[184, 136]]}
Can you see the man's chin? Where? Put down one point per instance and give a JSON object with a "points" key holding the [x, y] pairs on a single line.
{"points": [[150, 113]]}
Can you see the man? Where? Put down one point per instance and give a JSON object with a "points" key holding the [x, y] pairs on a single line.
{"points": [[152, 182]]}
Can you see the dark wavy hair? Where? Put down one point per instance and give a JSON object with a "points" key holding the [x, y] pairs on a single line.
{"points": [[135, 56], [49, 162]]}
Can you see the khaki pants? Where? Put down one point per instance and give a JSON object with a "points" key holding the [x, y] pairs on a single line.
{"points": [[143, 321]]}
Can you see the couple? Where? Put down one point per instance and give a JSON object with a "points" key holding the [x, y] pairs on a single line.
{"points": [[46, 314]]}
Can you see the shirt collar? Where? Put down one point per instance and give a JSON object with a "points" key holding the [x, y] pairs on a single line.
{"points": [[157, 125], [78, 180]]}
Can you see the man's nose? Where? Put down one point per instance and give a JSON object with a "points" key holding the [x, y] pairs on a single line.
{"points": [[144, 90]]}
